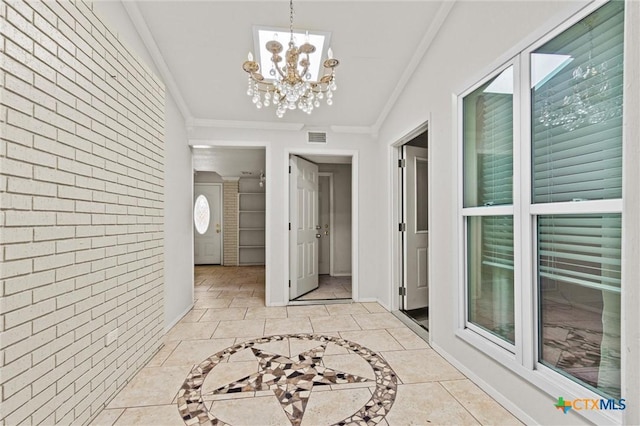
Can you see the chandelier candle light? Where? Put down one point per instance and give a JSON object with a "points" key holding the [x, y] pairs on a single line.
{"points": [[292, 87]]}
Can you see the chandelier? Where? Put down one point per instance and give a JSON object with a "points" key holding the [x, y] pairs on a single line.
{"points": [[292, 86]]}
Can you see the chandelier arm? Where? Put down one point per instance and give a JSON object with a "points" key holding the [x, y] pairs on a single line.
{"points": [[279, 70], [306, 68]]}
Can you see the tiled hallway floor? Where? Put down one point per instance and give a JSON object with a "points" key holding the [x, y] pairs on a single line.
{"points": [[330, 288], [241, 363]]}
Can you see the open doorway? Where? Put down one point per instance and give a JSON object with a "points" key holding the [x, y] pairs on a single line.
{"points": [[414, 228], [229, 219], [320, 236]]}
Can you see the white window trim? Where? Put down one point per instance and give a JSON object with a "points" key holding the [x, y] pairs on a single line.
{"points": [[499, 210], [521, 358]]}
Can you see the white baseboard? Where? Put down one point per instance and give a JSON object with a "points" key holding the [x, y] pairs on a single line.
{"points": [[178, 318], [490, 390]]}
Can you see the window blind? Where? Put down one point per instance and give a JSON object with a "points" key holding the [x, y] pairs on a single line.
{"points": [[496, 150], [581, 249], [488, 143], [497, 241], [495, 124], [577, 112]]}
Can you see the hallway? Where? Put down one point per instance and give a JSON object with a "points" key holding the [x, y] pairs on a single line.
{"points": [[323, 363]]}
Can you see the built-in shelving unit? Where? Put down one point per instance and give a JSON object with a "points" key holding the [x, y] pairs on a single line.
{"points": [[251, 220]]}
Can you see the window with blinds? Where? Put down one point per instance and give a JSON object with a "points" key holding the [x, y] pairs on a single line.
{"points": [[576, 156], [577, 111], [570, 228], [490, 275], [579, 273], [488, 184]]}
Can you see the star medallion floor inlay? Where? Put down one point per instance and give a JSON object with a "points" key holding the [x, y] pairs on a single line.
{"points": [[291, 379], [316, 365]]}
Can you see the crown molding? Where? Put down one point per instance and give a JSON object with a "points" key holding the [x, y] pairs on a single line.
{"points": [[132, 9], [423, 47], [361, 130], [239, 124], [267, 125]]}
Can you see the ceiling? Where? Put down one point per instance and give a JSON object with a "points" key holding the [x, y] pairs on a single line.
{"points": [[230, 162], [201, 46]]}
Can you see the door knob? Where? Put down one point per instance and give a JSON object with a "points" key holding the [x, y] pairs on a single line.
{"points": [[318, 235], [318, 226]]}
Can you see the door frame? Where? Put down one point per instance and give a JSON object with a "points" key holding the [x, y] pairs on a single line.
{"points": [[355, 294], [396, 206], [220, 212], [330, 176]]}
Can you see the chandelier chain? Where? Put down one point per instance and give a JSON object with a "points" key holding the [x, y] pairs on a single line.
{"points": [[291, 19]]}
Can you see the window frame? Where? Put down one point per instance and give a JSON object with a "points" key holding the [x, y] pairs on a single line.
{"points": [[522, 357], [534, 210], [494, 210]]}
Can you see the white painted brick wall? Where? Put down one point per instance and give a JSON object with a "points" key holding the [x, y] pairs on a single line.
{"points": [[230, 217], [81, 213]]}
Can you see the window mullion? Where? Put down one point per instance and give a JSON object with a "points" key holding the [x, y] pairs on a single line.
{"points": [[488, 211], [528, 318]]}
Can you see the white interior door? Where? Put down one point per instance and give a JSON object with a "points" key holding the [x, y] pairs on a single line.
{"points": [[417, 229], [207, 211], [303, 214]]}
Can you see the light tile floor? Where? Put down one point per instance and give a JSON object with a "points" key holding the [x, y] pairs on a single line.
{"points": [[330, 288], [321, 365]]}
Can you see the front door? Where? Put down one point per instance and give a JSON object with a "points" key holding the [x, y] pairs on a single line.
{"points": [[417, 230], [207, 224], [303, 236]]}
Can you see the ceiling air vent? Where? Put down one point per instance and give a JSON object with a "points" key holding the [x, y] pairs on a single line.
{"points": [[317, 137]]}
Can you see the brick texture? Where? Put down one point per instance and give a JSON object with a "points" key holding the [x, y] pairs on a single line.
{"points": [[230, 202], [81, 213]]}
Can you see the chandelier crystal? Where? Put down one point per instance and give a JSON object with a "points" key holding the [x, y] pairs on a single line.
{"points": [[589, 100], [292, 87]]}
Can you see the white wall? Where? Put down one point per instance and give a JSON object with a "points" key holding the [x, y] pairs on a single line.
{"points": [[178, 174], [341, 216], [178, 219], [472, 40]]}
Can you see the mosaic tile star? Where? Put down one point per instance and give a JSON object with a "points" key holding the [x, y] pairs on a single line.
{"points": [[291, 379]]}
